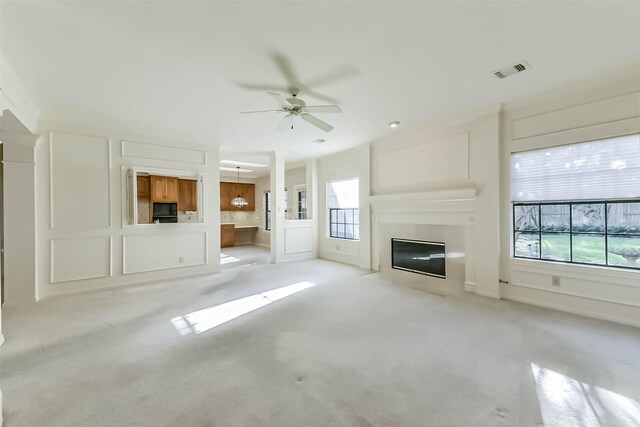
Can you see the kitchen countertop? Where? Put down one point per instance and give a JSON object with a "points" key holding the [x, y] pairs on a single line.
{"points": [[239, 226]]}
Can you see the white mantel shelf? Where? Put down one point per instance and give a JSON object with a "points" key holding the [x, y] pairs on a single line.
{"points": [[444, 207]]}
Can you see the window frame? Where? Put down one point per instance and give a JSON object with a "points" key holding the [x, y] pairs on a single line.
{"points": [[571, 233], [301, 207], [129, 187], [267, 210], [329, 222], [353, 223]]}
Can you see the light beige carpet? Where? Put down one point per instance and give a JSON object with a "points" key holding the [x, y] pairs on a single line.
{"points": [[351, 350]]}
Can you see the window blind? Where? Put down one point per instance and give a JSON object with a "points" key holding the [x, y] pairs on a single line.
{"points": [[343, 193], [603, 169]]}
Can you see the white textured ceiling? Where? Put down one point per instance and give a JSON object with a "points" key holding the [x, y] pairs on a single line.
{"points": [[177, 68]]}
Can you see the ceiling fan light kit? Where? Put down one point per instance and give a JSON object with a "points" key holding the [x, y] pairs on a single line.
{"points": [[239, 201], [296, 107]]}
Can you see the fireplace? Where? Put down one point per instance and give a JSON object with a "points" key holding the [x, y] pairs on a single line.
{"points": [[434, 217], [418, 256]]}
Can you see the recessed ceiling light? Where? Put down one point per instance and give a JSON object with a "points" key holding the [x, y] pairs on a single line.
{"points": [[319, 141], [235, 163], [394, 124], [222, 168]]}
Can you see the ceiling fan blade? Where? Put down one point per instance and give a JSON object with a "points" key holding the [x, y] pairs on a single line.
{"points": [[284, 65], [262, 111], [285, 123], [260, 87], [306, 91], [342, 72], [322, 109], [316, 122], [280, 99]]}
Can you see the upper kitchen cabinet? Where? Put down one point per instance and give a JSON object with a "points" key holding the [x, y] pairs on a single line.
{"points": [[164, 188], [187, 195], [144, 186], [229, 190]]}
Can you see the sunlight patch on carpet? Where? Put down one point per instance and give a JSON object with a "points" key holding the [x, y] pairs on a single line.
{"points": [[208, 318]]}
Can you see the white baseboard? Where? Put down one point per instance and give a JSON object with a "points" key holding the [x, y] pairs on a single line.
{"points": [[470, 286], [487, 294]]}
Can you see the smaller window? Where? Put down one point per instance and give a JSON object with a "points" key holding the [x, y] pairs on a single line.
{"points": [[343, 204], [302, 204], [344, 223]]}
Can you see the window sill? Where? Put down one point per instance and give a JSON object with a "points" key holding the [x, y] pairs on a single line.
{"points": [[339, 239], [163, 225]]}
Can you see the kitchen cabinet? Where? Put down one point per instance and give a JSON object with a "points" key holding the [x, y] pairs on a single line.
{"points": [[227, 235], [144, 186], [230, 190], [164, 189], [187, 195]]}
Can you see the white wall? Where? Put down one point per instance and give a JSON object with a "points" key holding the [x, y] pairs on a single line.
{"points": [[454, 155], [83, 239], [348, 164], [599, 110], [301, 236], [15, 103]]}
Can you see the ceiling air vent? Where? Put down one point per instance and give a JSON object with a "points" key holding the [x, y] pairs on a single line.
{"points": [[511, 70]]}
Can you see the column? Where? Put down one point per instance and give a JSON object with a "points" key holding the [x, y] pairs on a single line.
{"points": [[19, 217], [277, 207]]}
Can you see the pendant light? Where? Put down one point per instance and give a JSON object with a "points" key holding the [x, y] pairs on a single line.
{"points": [[239, 201]]}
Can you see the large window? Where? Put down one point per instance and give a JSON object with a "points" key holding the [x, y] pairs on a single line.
{"points": [[578, 203], [599, 232], [344, 213]]}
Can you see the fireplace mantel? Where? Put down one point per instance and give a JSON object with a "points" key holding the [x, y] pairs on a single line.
{"points": [[441, 207], [444, 207]]}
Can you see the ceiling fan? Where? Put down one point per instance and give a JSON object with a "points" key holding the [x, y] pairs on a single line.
{"points": [[296, 107]]}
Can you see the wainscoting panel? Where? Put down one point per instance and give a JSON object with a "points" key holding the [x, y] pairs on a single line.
{"points": [[298, 240], [438, 161], [151, 252], [79, 167], [159, 152], [80, 259], [594, 286], [593, 113]]}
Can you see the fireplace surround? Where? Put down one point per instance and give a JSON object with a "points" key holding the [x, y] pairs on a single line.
{"points": [[447, 216]]}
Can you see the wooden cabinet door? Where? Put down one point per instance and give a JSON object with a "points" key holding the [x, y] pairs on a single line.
{"points": [[143, 184], [227, 235], [231, 190], [249, 194], [157, 188], [236, 190], [187, 195], [164, 189], [225, 196], [170, 189]]}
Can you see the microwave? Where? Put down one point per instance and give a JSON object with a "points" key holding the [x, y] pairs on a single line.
{"points": [[161, 210]]}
